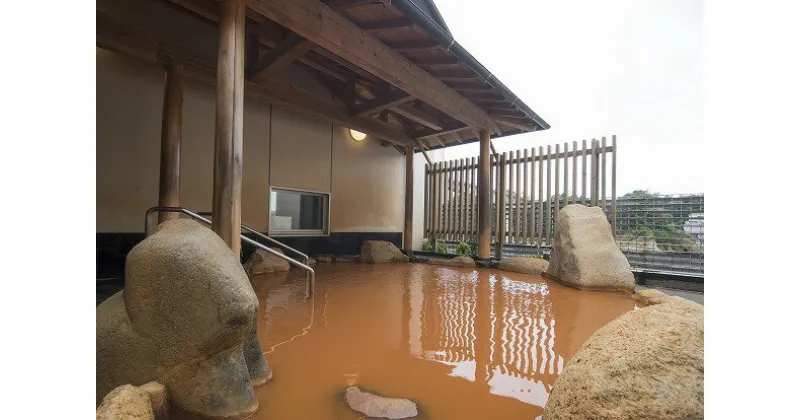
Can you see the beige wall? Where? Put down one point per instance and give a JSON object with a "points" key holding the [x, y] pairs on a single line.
{"points": [[368, 186], [281, 148]]}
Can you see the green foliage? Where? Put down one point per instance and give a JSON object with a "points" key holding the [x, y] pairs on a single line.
{"points": [[535, 256], [463, 248], [441, 248], [653, 217]]}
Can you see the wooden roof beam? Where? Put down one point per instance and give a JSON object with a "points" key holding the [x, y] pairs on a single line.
{"points": [[413, 45], [382, 25], [379, 104], [284, 54], [435, 61], [125, 39], [518, 123], [449, 128], [419, 116], [315, 21], [348, 4]]}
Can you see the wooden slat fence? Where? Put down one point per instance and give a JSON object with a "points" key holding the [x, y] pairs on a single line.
{"points": [[529, 187]]}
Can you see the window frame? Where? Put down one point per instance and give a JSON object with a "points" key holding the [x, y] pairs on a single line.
{"points": [[325, 231]]}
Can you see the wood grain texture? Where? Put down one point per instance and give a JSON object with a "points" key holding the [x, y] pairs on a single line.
{"points": [[171, 125]]}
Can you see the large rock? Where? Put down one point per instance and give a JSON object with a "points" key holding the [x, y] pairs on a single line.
{"points": [[376, 406], [378, 252], [460, 261], [126, 402], [262, 262], [585, 254], [535, 266], [187, 318], [649, 297], [646, 364], [158, 399]]}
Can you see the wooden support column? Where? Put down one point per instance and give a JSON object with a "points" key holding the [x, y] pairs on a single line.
{"points": [[229, 124], [484, 197], [409, 214], [171, 121]]}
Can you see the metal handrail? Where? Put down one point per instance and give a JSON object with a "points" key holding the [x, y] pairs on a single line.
{"points": [[262, 236], [193, 215]]}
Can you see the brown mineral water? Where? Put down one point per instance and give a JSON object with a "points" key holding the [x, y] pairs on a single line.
{"points": [[462, 343]]}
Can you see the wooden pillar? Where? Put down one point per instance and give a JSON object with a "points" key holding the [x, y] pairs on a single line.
{"points": [[484, 196], [409, 214], [500, 229], [171, 121], [229, 124]]}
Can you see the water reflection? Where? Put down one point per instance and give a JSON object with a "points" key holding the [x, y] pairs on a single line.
{"points": [[463, 343], [488, 328]]}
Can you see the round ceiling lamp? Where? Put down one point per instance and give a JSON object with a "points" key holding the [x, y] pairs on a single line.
{"points": [[357, 135]]}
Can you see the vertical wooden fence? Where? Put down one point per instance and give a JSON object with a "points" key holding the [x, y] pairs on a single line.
{"points": [[530, 186]]}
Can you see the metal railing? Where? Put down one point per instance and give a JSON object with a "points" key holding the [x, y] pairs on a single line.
{"points": [[266, 238], [309, 271]]}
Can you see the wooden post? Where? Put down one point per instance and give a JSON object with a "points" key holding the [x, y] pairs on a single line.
{"points": [[484, 197], [583, 173], [540, 221], [614, 185], [227, 205], [171, 122], [500, 237], [548, 211], [409, 214], [426, 203], [524, 209]]}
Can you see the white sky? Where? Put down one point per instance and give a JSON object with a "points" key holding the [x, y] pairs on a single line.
{"points": [[593, 68]]}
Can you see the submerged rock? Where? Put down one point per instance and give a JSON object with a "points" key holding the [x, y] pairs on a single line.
{"points": [[262, 262], [324, 258], [126, 402], [344, 259], [378, 252], [376, 406], [312, 261], [585, 254], [524, 265], [646, 364], [187, 318], [461, 261]]}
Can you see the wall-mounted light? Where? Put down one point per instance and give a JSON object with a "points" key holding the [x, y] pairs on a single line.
{"points": [[357, 135]]}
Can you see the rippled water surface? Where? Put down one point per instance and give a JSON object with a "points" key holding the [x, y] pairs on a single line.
{"points": [[462, 343]]}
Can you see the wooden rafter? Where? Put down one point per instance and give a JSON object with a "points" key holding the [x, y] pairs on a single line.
{"points": [[347, 4], [121, 38], [319, 24], [419, 116], [451, 127], [382, 25], [435, 61], [413, 45], [517, 123], [285, 53], [387, 101]]}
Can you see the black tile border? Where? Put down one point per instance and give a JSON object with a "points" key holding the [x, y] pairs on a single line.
{"points": [[112, 248]]}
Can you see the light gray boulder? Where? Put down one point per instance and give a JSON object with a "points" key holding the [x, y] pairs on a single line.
{"points": [[585, 254], [125, 402], [646, 364], [534, 266], [187, 318], [376, 406], [378, 252], [262, 262]]}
